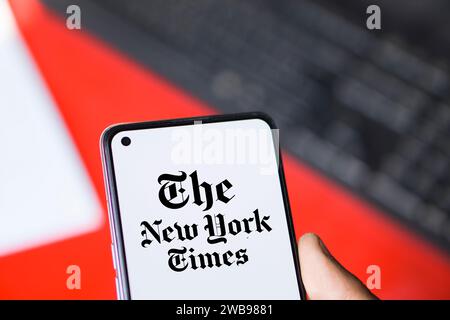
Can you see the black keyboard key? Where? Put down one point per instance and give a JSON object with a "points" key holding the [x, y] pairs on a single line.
{"points": [[409, 67]]}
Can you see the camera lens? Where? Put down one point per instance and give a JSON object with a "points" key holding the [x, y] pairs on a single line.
{"points": [[126, 141]]}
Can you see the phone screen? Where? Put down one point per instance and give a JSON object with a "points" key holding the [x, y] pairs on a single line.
{"points": [[200, 211]]}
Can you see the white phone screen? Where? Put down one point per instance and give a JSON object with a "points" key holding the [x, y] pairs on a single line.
{"points": [[202, 212]]}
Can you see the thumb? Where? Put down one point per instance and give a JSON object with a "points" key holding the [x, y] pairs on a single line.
{"points": [[324, 277]]}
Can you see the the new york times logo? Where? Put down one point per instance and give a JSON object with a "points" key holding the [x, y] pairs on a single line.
{"points": [[174, 196]]}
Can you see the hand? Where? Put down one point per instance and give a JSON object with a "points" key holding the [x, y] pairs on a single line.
{"points": [[323, 277]]}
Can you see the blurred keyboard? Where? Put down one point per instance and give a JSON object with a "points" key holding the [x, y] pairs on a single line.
{"points": [[369, 110]]}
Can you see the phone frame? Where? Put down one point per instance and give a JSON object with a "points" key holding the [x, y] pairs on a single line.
{"points": [[118, 250]]}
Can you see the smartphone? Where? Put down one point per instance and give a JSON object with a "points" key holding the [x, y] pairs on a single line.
{"points": [[198, 209]]}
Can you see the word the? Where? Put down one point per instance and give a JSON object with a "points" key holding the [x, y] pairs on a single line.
{"points": [[169, 192]]}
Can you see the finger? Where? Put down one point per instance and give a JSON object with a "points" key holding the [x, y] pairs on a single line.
{"points": [[323, 276]]}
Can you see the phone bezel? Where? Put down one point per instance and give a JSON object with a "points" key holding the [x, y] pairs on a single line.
{"points": [[119, 255]]}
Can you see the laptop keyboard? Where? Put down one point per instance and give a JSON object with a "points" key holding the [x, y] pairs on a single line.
{"points": [[364, 109]]}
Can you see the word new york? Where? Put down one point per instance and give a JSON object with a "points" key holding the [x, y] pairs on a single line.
{"points": [[216, 227]]}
